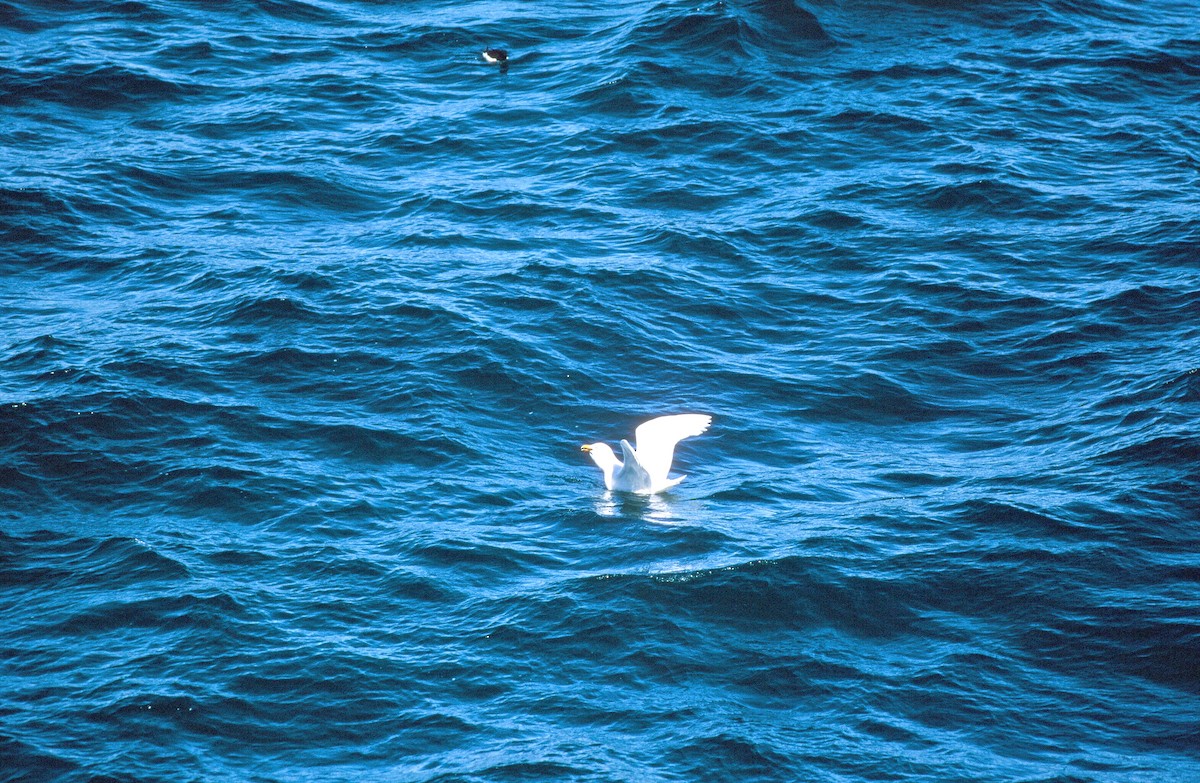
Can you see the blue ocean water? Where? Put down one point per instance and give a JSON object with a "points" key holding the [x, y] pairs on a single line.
{"points": [[305, 311]]}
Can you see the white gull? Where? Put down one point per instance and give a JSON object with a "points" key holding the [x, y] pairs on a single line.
{"points": [[646, 466]]}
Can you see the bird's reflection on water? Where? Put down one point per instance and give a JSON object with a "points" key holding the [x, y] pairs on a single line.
{"points": [[648, 508]]}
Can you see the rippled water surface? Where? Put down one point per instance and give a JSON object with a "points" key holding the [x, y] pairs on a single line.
{"points": [[305, 311]]}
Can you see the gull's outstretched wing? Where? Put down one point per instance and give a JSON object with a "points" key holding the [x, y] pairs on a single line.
{"points": [[656, 441], [632, 476]]}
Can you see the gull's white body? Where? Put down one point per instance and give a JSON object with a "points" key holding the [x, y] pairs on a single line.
{"points": [[646, 466]]}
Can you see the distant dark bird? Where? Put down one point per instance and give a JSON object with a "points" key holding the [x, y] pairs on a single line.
{"points": [[495, 55]]}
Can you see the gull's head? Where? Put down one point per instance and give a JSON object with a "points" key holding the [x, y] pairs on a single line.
{"points": [[601, 453]]}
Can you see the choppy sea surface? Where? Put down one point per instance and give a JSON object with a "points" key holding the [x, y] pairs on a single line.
{"points": [[305, 311]]}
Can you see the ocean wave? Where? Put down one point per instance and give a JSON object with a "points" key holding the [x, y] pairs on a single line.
{"points": [[50, 561], [725, 31], [93, 87], [791, 592]]}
